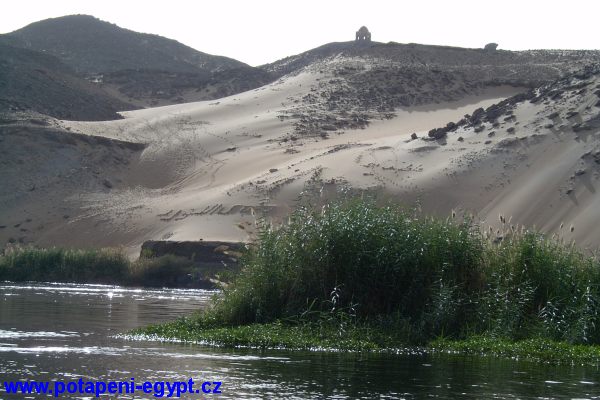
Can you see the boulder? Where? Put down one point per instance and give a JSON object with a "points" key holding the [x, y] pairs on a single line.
{"points": [[477, 115], [438, 133]]}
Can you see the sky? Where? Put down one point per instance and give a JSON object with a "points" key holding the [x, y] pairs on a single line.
{"points": [[262, 31]]}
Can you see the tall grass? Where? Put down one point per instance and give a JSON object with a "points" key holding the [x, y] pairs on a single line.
{"points": [[539, 287], [67, 265], [109, 266], [412, 276]]}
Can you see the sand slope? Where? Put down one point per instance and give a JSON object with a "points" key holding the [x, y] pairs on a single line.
{"points": [[208, 170]]}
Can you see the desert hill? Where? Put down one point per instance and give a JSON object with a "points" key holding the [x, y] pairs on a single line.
{"points": [[371, 80], [510, 137], [434, 57], [211, 169], [92, 46], [137, 68], [33, 81]]}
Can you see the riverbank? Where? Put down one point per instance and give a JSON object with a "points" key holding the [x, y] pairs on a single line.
{"points": [[355, 276], [108, 266], [314, 337], [52, 329]]}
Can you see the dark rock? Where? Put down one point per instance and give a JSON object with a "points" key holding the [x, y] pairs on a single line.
{"points": [[413, 136], [572, 114], [491, 47], [536, 99], [438, 133], [494, 112], [213, 254], [492, 133], [477, 115], [479, 129], [460, 139], [518, 98], [511, 129], [508, 142], [107, 183], [555, 94], [553, 115]]}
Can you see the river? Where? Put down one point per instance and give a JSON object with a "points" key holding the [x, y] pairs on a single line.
{"points": [[63, 332]]}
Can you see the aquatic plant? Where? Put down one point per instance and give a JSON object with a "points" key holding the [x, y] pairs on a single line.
{"points": [[391, 269]]}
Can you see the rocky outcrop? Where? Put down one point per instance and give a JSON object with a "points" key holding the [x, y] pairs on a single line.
{"points": [[577, 82], [201, 253]]}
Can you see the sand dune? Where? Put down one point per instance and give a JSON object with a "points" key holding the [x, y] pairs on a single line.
{"points": [[208, 170]]}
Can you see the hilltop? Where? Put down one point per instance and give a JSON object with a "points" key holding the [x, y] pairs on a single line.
{"points": [[136, 68], [92, 46], [372, 80]]}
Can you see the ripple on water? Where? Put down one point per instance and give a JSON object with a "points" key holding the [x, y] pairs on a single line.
{"points": [[14, 334], [110, 351], [72, 331], [108, 290]]}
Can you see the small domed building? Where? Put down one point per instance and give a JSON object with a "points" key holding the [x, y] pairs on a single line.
{"points": [[363, 34], [491, 47]]}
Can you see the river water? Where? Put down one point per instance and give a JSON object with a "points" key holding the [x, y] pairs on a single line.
{"points": [[51, 332]]}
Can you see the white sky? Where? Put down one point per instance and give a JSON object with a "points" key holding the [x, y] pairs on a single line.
{"points": [[261, 31]]}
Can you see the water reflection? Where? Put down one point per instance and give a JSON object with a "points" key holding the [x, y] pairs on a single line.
{"points": [[66, 332]]}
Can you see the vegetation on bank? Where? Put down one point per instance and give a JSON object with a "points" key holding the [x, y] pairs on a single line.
{"points": [[107, 266], [357, 276], [360, 338], [535, 349]]}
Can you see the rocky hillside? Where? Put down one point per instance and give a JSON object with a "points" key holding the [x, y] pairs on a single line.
{"points": [[92, 46], [151, 88], [373, 80], [32, 81], [533, 159], [138, 68], [398, 54]]}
